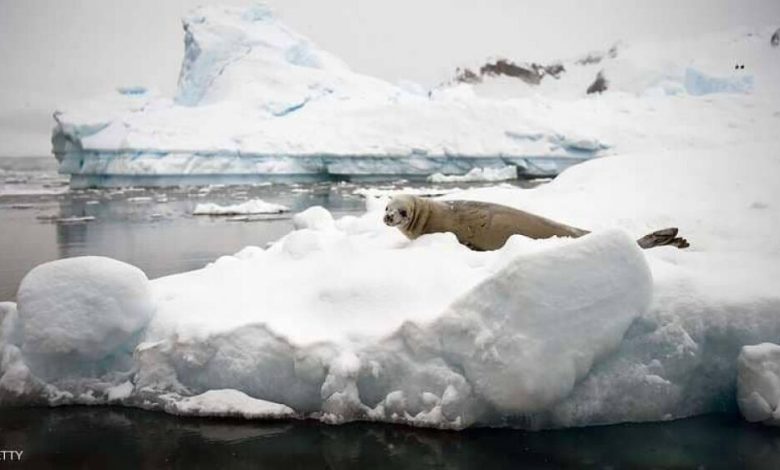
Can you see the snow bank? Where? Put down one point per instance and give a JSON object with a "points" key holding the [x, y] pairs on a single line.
{"points": [[758, 384], [254, 206]]}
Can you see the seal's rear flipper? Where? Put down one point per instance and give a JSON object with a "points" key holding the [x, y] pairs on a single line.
{"points": [[667, 236]]}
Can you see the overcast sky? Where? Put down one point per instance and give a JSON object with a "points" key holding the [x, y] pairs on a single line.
{"points": [[53, 52]]}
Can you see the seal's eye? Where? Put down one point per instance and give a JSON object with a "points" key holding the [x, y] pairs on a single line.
{"points": [[402, 212]]}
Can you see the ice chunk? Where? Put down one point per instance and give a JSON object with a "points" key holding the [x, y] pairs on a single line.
{"points": [[81, 311], [380, 192], [254, 206], [477, 174], [228, 403], [758, 383]]}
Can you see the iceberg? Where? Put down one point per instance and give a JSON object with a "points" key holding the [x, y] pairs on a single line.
{"points": [[254, 206], [478, 175], [258, 100], [428, 342]]}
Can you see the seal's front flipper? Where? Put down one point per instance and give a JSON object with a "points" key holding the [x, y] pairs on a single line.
{"points": [[667, 236]]}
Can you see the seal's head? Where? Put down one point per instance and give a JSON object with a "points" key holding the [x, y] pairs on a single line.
{"points": [[399, 211]]}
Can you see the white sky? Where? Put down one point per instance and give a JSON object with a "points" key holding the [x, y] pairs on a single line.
{"points": [[53, 52]]}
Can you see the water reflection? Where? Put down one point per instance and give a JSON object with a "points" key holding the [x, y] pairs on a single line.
{"points": [[141, 439]]}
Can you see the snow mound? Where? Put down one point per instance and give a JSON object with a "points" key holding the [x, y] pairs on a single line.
{"points": [[758, 383], [254, 206], [477, 174], [82, 309]]}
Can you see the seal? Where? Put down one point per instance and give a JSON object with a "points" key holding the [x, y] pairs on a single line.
{"points": [[484, 226]]}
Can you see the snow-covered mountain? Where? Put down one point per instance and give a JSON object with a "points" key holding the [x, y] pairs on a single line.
{"points": [[255, 98]]}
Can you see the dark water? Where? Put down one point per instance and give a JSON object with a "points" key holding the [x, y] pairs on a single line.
{"points": [[127, 438], [155, 230]]}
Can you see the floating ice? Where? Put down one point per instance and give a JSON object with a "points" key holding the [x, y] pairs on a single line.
{"points": [[256, 98], [228, 403], [477, 174], [439, 336], [383, 192], [758, 383], [254, 206]]}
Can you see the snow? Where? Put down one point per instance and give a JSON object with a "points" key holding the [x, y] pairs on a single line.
{"points": [[477, 174], [350, 334], [253, 206], [85, 311], [758, 383]]}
